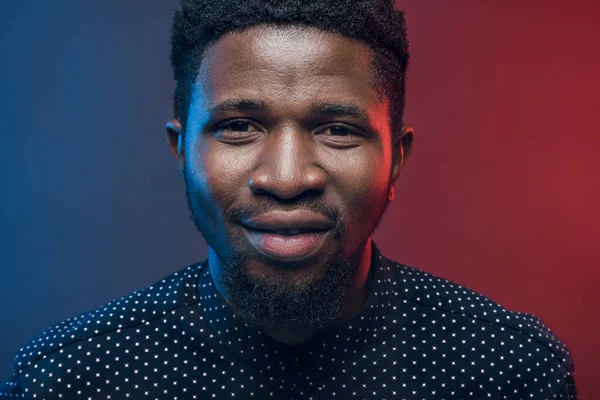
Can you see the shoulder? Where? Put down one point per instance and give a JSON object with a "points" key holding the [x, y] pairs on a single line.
{"points": [[137, 308], [523, 337]]}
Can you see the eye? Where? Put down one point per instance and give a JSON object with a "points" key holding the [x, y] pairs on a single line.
{"points": [[343, 131], [235, 130], [238, 126]]}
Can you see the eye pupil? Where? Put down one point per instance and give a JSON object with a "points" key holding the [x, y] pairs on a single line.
{"points": [[239, 126], [339, 130]]}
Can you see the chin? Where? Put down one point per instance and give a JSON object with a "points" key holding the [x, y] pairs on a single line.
{"points": [[274, 271]]}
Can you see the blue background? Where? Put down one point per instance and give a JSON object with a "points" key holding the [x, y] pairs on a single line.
{"points": [[92, 206]]}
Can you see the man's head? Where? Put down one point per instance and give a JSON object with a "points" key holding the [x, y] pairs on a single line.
{"points": [[288, 114]]}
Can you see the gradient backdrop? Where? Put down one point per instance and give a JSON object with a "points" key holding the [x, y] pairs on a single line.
{"points": [[501, 193]]}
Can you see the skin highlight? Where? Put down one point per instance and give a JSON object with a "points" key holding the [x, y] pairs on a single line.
{"points": [[283, 118]]}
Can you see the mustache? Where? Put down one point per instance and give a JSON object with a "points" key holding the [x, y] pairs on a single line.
{"points": [[263, 204], [266, 204]]}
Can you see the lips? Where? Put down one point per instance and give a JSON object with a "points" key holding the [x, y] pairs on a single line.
{"points": [[288, 221], [287, 236], [291, 231]]}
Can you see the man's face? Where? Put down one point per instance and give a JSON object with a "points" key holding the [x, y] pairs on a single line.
{"points": [[283, 120]]}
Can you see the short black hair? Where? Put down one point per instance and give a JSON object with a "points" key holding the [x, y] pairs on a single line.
{"points": [[200, 23]]}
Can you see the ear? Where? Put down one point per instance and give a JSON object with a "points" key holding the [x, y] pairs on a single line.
{"points": [[175, 138], [401, 149]]}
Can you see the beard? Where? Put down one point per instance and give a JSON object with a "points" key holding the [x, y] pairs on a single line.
{"points": [[283, 299]]}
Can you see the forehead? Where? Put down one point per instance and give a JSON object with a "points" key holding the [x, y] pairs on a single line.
{"points": [[291, 66]]}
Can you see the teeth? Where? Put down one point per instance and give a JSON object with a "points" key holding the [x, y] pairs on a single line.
{"points": [[288, 231]]}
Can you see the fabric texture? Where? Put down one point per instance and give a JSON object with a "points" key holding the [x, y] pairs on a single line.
{"points": [[419, 337]]}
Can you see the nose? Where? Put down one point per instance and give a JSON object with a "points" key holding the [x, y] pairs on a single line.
{"points": [[288, 166]]}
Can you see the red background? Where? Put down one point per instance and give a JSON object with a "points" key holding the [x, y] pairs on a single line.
{"points": [[502, 192]]}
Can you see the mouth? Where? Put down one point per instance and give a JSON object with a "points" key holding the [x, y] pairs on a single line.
{"points": [[292, 244]]}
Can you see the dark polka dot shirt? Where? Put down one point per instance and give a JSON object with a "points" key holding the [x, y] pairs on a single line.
{"points": [[419, 337]]}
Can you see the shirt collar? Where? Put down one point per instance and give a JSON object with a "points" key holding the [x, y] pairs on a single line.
{"points": [[310, 360]]}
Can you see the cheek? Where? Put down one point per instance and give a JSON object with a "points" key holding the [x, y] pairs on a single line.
{"points": [[363, 182], [218, 173]]}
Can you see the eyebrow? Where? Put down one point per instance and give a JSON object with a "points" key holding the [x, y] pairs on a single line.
{"points": [[236, 106], [325, 108], [340, 109]]}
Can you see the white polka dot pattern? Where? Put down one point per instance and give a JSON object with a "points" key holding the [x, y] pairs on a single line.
{"points": [[419, 337]]}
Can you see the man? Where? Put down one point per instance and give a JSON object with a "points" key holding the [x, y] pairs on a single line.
{"points": [[289, 135]]}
